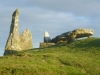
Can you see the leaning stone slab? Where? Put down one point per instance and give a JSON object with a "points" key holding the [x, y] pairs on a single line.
{"points": [[72, 35]]}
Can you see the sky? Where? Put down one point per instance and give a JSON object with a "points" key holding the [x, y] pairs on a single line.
{"points": [[54, 16]]}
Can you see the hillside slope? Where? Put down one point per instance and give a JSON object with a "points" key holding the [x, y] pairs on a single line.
{"points": [[78, 58]]}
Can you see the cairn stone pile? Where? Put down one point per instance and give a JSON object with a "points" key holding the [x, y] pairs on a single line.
{"points": [[15, 41]]}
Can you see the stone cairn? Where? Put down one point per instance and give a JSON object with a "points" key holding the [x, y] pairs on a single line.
{"points": [[15, 41], [47, 41]]}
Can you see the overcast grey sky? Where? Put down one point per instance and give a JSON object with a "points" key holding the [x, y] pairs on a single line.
{"points": [[54, 16]]}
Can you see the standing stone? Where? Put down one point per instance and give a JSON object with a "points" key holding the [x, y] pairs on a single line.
{"points": [[16, 42], [26, 40], [46, 37], [13, 39]]}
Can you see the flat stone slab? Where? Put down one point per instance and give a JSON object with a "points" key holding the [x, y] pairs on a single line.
{"points": [[43, 45]]}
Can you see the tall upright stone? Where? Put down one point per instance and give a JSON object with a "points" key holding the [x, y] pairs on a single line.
{"points": [[13, 39], [46, 37], [14, 42]]}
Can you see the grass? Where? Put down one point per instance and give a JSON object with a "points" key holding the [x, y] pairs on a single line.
{"points": [[79, 58]]}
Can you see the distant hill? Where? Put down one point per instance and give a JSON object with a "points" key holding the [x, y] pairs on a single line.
{"points": [[81, 57]]}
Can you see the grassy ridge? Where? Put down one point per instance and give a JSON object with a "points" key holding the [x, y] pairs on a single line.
{"points": [[78, 58]]}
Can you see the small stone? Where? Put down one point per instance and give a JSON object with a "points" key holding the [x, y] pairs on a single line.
{"points": [[46, 37]]}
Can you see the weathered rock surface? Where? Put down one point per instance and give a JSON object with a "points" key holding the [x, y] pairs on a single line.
{"points": [[46, 37], [13, 39], [82, 32], [72, 35], [15, 42], [26, 40], [43, 45]]}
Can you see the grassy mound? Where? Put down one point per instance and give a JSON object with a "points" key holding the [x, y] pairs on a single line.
{"points": [[79, 58]]}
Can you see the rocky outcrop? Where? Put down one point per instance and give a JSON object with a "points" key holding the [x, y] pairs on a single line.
{"points": [[46, 37], [72, 35], [16, 42]]}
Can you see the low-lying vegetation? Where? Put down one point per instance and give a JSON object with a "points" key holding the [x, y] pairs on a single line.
{"points": [[78, 58]]}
